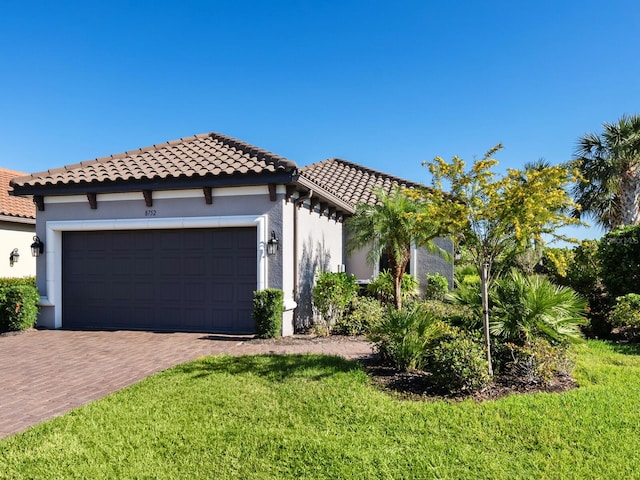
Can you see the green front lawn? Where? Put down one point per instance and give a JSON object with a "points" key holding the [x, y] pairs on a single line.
{"points": [[315, 417]]}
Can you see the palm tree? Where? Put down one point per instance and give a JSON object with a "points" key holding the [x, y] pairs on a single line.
{"points": [[391, 226], [609, 164]]}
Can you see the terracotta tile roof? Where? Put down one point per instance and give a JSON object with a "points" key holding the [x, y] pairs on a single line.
{"points": [[350, 182], [210, 154], [11, 206]]}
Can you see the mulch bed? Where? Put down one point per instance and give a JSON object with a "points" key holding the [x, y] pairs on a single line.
{"points": [[416, 386]]}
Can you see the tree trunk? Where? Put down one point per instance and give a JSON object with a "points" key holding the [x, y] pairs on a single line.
{"points": [[629, 196], [397, 284], [484, 276]]}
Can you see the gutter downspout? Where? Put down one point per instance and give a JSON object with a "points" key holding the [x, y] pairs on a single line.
{"points": [[296, 204]]}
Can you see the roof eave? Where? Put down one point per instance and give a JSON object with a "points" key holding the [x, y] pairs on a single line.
{"points": [[179, 183], [325, 194], [15, 219]]}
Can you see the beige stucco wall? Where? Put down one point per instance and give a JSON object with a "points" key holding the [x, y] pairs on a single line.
{"points": [[20, 236], [319, 248]]}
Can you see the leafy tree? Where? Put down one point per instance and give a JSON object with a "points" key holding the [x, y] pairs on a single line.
{"points": [[619, 256], [496, 216], [609, 166], [391, 226]]}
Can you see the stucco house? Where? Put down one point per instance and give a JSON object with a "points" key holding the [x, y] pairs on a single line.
{"points": [[177, 236], [17, 228]]}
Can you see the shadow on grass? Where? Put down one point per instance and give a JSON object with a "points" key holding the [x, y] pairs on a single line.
{"points": [[274, 367], [625, 348]]}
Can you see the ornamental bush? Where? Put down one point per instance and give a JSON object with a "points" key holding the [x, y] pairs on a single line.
{"points": [[437, 287], [619, 255], [366, 313], [537, 361], [626, 311], [458, 363], [333, 295], [268, 306], [18, 305]]}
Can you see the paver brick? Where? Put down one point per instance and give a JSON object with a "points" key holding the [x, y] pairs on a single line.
{"points": [[52, 371]]}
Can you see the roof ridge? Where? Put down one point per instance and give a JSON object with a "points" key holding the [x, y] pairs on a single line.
{"points": [[241, 146]]}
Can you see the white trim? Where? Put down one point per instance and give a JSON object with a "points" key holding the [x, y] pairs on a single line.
{"points": [[54, 231], [166, 194]]}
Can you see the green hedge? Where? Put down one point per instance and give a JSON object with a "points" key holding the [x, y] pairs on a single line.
{"points": [[18, 304], [268, 306]]}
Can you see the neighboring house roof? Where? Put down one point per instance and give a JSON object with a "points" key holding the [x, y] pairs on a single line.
{"points": [[10, 206], [203, 156], [350, 182]]}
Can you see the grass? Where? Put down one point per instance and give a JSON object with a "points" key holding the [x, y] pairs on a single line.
{"points": [[317, 417]]}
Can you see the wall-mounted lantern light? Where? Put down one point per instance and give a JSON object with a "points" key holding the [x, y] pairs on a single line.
{"points": [[272, 244], [37, 247], [14, 256]]}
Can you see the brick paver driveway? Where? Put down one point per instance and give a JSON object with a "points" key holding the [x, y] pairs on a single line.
{"points": [[48, 372]]}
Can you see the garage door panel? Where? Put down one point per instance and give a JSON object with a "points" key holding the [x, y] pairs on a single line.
{"points": [[193, 279]]}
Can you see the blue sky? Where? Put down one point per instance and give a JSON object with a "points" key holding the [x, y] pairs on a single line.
{"points": [[383, 84]]}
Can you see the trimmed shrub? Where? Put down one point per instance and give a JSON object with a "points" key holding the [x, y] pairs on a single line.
{"points": [[333, 295], [406, 335], [12, 281], [437, 287], [458, 363], [382, 288], [268, 306], [18, 306], [365, 315], [619, 255], [626, 311]]}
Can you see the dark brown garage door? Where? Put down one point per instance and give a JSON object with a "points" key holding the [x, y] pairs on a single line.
{"points": [[181, 280]]}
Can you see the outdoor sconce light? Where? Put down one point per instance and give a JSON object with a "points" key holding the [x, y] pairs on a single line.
{"points": [[272, 244], [37, 247], [13, 257]]}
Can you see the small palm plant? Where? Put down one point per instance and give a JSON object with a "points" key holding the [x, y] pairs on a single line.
{"points": [[529, 307], [405, 336]]}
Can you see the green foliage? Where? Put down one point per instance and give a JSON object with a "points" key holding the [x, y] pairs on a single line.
{"points": [[619, 256], [537, 361], [333, 295], [525, 308], [448, 312], [366, 313], [583, 275], [384, 290], [437, 286], [468, 296], [458, 363], [466, 274], [555, 264], [626, 311], [404, 337], [608, 182], [498, 217], [18, 306], [391, 226], [12, 281], [267, 312]]}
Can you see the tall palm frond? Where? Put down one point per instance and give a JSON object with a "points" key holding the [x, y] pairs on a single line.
{"points": [[609, 164]]}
